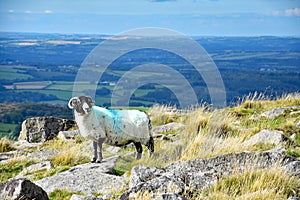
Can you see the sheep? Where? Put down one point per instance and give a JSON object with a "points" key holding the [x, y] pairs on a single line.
{"points": [[114, 127]]}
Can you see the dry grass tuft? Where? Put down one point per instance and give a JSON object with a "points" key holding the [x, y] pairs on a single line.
{"points": [[253, 184], [71, 157], [5, 145], [161, 114], [71, 153]]}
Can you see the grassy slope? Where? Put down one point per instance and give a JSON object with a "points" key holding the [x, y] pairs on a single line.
{"points": [[207, 134]]}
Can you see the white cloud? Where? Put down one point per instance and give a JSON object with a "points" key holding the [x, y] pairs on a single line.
{"points": [[292, 12], [48, 11], [11, 11], [28, 11]]}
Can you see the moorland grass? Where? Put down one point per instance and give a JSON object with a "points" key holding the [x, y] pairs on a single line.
{"points": [[252, 184], [12, 168], [5, 145]]}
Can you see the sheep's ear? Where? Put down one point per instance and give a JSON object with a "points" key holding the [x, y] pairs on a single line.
{"points": [[72, 101]]}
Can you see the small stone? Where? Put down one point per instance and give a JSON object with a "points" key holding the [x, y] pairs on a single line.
{"points": [[82, 197], [68, 135]]}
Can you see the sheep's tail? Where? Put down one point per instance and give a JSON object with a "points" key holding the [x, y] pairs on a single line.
{"points": [[150, 143], [150, 126]]}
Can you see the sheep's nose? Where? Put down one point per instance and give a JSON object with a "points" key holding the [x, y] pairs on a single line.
{"points": [[86, 108]]}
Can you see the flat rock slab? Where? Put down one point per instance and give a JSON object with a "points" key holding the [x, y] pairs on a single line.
{"points": [[87, 178]]}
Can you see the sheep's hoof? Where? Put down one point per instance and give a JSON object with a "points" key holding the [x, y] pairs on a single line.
{"points": [[95, 160], [139, 156]]}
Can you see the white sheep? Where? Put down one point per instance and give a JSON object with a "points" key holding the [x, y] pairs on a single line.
{"points": [[115, 127]]}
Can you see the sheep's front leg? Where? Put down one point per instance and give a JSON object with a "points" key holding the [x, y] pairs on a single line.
{"points": [[97, 144]]}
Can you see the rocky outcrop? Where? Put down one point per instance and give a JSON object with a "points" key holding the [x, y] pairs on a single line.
{"points": [[188, 176], [267, 136], [17, 189], [88, 178], [40, 129]]}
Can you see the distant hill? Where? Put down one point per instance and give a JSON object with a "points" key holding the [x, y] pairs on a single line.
{"points": [[269, 65]]}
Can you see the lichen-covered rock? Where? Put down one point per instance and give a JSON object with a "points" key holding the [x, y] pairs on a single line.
{"points": [[40, 129], [87, 178], [267, 136], [17, 189], [188, 176]]}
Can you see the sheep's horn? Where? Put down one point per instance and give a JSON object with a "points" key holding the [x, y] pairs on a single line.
{"points": [[70, 102]]}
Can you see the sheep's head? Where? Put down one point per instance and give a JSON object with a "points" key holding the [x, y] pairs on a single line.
{"points": [[82, 104]]}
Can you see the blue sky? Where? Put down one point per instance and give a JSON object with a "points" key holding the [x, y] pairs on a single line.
{"points": [[191, 17]]}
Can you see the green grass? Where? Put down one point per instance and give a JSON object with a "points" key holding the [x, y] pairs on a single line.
{"points": [[40, 174], [61, 85], [13, 168], [61, 194], [62, 95]]}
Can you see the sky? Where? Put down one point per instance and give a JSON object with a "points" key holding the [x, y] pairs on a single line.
{"points": [[190, 17]]}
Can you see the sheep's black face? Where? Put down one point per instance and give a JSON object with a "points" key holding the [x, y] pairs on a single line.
{"points": [[82, 104]]}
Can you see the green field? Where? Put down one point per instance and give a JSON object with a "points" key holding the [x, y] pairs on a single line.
{"points": [[12, 74], [7, 129]]}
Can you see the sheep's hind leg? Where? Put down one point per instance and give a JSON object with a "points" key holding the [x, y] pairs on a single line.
{"points": [[150, 145], [139, 149]]}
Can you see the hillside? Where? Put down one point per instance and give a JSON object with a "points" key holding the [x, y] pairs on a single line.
{"points": [[249, 151]]}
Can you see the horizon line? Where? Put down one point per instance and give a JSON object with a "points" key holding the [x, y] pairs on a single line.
{"points": [[109, 34]]}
